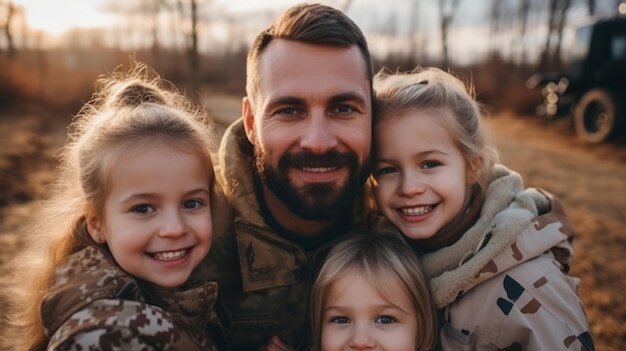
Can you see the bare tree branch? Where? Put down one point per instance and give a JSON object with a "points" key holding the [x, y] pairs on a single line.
{"points": [[447, 9]]}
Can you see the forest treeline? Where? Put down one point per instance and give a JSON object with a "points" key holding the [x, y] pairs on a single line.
{"points": [[196, 44]]}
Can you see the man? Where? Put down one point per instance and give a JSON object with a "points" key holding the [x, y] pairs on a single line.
{"points": [[292, 169]]}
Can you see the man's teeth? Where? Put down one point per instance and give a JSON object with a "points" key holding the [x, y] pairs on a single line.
{"points": [[414, 211], [319, 169], [169, 255]]}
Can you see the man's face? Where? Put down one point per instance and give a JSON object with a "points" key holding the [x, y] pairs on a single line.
{"points": [[311, 126]]}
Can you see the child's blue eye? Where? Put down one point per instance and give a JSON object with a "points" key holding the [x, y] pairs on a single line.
{"points": [[340, 320], [143, 209], [191, 204], [385, 170], [385, 320], [431, 164]]}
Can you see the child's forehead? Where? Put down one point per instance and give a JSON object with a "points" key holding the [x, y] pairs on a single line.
{"points": [[356, 287], [379, 279]]}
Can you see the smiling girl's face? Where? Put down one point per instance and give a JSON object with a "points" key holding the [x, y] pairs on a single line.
{"points": [[357, 316], [156, 219], [420, 173]]}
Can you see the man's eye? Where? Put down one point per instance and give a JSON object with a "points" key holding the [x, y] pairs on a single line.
{"points": [[343, 109], [431, 164], [340, 320], [143, 209], [288, 111], [191, 204], [385, 320]]}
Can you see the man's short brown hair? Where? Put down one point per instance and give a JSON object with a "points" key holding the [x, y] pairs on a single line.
{"points": [[307, 23]]}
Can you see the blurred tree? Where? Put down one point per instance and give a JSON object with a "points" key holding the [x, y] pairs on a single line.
{"points": [[591, 7], [414, 44], [447, 9], [524, 10], [557, 17], [10, 11], [190, 8], [145, 17]]}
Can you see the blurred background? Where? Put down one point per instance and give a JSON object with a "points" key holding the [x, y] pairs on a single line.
{"points": [[530, 63], [52, 51]]}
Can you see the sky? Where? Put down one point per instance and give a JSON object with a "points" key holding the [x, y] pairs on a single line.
{"points": [[47, 15]]}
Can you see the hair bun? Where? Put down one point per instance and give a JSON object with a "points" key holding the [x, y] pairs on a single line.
{"points": [[136, 93]]}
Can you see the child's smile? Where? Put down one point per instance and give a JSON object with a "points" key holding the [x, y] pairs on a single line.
{"points": [[420, 173], [157, 218]]}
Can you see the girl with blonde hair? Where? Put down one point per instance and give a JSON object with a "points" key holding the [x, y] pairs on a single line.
{"points": [[496, 255], [127, 220], [371, 294]]}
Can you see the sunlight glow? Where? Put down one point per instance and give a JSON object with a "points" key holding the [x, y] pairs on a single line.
{"points": [[56, 17]]}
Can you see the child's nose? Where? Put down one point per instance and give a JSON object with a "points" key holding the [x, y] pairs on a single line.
{"points": [[361, 339], [172, 225], [411, 185]]}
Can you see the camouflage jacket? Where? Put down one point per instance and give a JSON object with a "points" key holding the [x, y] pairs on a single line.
{"points": [[95, 305], [264, 278], [504, 284]]}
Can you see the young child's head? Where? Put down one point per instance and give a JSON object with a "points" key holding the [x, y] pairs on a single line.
{"points": [[370, 292], [142, 159], [430, 151], [134, 179]]}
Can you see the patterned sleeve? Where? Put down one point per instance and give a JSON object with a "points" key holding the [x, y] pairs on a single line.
{"points": [[110, 324], [545, 314]]}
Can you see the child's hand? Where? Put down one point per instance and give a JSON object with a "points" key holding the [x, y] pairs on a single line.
{"points": [[275, 344]]}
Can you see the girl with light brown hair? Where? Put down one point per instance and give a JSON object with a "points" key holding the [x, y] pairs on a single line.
{"points": [[127, 220], [371, 294]]}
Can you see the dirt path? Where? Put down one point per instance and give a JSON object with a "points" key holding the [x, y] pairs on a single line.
{"points": [[590, 181]]}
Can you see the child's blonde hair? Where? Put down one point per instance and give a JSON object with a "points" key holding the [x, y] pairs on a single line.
{"points": [[378, 257], [128, 108], [434, 88]]}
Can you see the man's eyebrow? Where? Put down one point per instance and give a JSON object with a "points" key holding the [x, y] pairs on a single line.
{"points": [[348, 97], [286, 100]]}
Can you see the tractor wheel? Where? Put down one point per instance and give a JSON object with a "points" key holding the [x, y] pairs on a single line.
{"points": [[595, 116]]}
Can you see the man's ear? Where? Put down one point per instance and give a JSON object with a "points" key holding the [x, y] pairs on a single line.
{"points": [[247, 111], [94, 228], [474, 170]]}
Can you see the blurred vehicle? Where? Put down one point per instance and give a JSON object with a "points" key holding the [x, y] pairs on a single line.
{"points": [[592, 88]]}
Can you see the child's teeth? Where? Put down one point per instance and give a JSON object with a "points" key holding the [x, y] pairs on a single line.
{"points": [[170, 255], [414, 211]]}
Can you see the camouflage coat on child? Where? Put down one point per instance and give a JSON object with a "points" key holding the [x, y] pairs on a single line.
{"points": [[94, 305], [504, 285]]}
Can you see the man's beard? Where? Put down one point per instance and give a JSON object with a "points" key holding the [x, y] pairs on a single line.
{"points": [[317, 201]]}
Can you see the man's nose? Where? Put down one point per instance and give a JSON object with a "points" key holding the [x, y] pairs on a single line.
{"points": [[319, 136]]}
